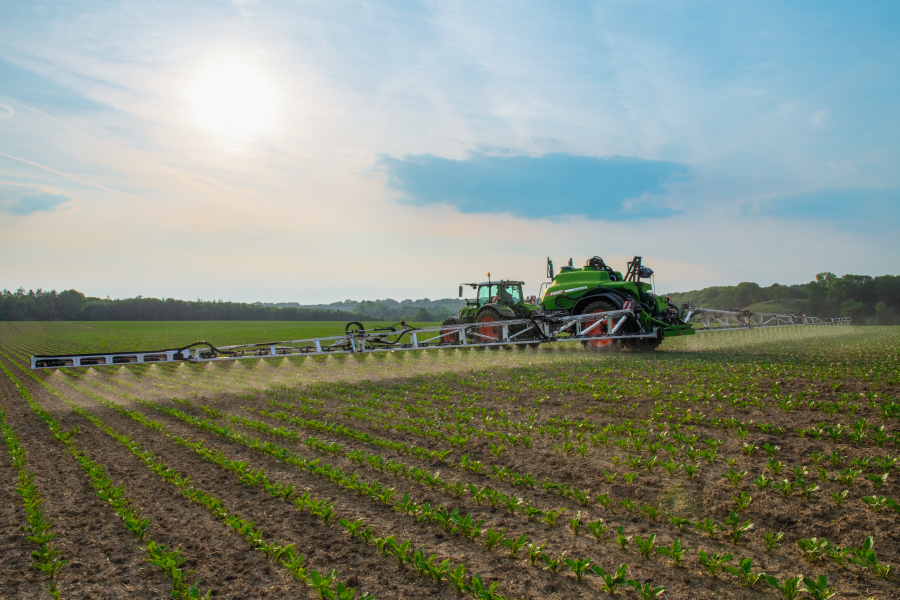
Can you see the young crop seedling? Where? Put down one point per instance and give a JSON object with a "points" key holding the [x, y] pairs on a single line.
{"points": [[579, 567], [761, 482], [713, 564], [813, 548], [877, 480], [773, 540], [575, 523], [840, 497], [838, 555], [621, 539], [784, 487], [818, 589], [734, 477], [866, 558], [611, 581], [709, 526], [790, 588], [552, 515], [492, 538], [647, 591], [738, 529], [599, 531], [744, 572], [554, 565], [742, 501], [874, 503], [677, 551], [652, 512], [808, 490], [535, 552], [515, 544], [646, 547]]}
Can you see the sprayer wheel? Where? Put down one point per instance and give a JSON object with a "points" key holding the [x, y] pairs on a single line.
{"points": [[604, 345], [450, 336]]}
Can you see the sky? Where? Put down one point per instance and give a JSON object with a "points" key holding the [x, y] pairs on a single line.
{"points": [[321, 151]]}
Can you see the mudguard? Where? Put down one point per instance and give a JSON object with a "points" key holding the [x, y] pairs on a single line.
{"points": [[612, 295], [503, 310]]}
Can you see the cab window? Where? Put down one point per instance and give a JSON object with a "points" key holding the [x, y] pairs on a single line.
{"points": [[484, 294], [510, 294]]}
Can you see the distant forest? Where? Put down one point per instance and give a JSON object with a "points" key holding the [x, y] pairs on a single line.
{"points": [[71, 305], [868, 300]]}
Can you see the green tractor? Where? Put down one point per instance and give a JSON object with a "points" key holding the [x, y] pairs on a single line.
{"points": [[494, 301], [596, 288]]}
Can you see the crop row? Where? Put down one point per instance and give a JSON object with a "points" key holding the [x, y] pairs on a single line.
{"points": [[169, 561]]}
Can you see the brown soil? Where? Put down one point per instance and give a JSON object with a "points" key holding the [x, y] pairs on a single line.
{"points": [[228, 566]]}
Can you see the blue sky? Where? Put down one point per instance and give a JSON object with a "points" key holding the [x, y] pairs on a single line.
{"points": [[314, 151]]}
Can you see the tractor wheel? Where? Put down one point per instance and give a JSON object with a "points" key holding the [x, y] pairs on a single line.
{"points": [[487, 315], [599, 307], [450, 337]]}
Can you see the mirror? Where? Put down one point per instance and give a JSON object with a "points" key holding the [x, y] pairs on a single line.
{"points": [[460, 291]]}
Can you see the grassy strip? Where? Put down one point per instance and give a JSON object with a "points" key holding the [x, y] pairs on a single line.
{"points": [[169, 561], [38, 530]]}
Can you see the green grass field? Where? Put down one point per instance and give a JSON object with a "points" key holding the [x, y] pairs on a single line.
{"points": [[116, 336]]}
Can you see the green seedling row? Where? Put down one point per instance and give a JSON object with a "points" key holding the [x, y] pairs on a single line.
{"points": [[167, 560], [38, 528]]}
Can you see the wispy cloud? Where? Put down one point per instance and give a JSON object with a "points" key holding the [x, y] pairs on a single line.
{"points": [[612, 188], [847, 208], [22, 200]]}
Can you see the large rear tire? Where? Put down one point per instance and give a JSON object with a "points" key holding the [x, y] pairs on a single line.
{"points": [[599, 307], [487, 315]]}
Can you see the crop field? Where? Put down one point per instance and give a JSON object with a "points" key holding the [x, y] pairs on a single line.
{"points": [[744, 464]]}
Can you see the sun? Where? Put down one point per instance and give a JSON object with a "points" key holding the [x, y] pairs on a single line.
{"points": [[233, 99]]}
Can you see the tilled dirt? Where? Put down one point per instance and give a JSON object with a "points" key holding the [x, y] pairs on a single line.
{"points": [[652, 487], [105, 560], [326, 547]]}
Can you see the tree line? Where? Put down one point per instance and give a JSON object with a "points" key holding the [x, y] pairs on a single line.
{"points": [[72, 305], [868, 300]]}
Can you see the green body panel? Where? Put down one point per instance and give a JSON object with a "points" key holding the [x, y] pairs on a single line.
{"points": [[676, 330], [571, 284], [567, 284]]}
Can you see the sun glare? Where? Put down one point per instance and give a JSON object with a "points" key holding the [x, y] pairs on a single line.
{"points": [[233, 99]]}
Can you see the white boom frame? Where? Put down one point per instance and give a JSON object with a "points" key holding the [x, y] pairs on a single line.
{"points": [[717, 320], [549, 329]]}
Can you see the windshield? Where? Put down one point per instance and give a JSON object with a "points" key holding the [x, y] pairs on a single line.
{"points": [[506, 294]]}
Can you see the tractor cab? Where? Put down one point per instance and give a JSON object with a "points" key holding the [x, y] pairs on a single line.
{"points": [[503, 298], [508, 293]]}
